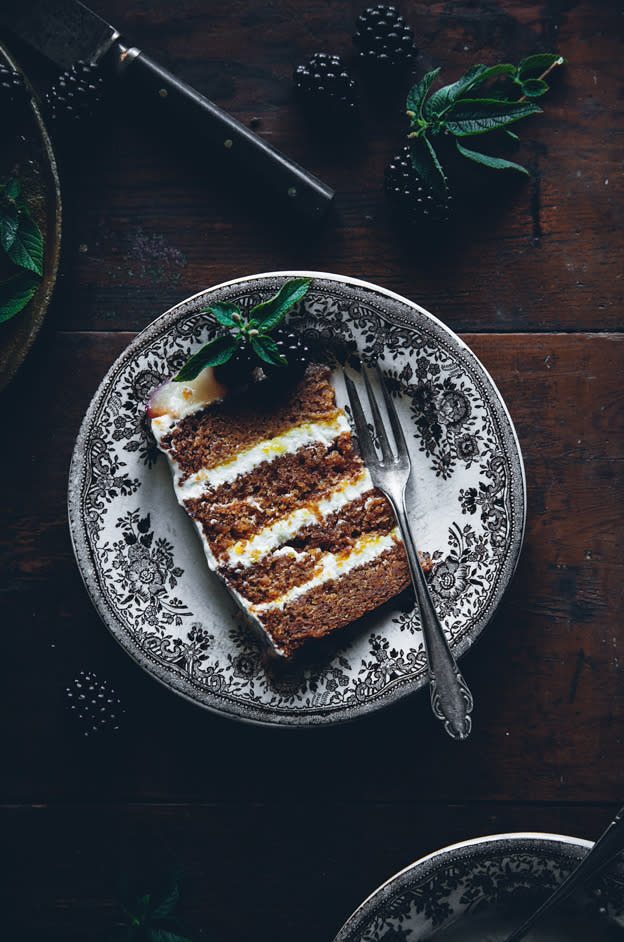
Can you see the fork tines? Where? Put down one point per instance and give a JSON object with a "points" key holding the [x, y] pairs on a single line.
{"points": [[367, 445]]}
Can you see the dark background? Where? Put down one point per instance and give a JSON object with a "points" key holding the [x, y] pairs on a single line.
{"points": [[282, 833]]}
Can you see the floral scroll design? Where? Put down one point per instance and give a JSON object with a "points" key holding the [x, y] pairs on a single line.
{"points": [[140, 569]]}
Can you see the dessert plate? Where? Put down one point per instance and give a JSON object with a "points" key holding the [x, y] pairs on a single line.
{"points": [[30, 157], [480, 890], [143, 565]]}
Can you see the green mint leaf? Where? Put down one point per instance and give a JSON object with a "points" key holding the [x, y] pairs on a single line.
{"points": [[27, 247], [137, 910], [441, 100], [495, 163], [439, 176], [16, 293], [215, 353], [266, 349], [425, 161], [168, 902], [416, 95], [538, 63], [479, 115], [223, 314], [533, 87], [9, 224], [268, 314]]}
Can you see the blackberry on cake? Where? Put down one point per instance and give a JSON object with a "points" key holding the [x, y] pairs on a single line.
{"points": [[238, 370], [293, 348], [384, 39], [411, 198], [326, 89]]}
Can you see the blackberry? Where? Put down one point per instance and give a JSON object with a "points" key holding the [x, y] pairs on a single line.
{"points": [[76, 96], [325, 88], [238, 369], [411, 197], [95, 704], [14, 94], [292, 346], [384, 40]]}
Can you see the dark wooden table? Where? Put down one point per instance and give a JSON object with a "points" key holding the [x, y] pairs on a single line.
{"points": [[281, 834]]}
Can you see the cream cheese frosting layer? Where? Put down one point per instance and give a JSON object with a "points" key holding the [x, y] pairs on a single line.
{"points": [[332, 566]]}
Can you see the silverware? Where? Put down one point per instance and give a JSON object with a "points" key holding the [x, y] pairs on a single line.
{"points": [[609, 845], [66, 30], [451, 699]]}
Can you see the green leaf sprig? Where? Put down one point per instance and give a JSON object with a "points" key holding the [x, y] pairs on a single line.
{"points": [[22, 244], [252, 331], [477, 104], [151, 913]]}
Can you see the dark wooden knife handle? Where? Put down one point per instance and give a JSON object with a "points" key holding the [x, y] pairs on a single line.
{"points": [[305, 195]]}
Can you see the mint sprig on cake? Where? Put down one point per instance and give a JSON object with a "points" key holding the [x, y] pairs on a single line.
{"points": [[251, 340]]}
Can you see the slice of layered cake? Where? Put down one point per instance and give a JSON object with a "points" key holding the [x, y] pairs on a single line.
{"points": [[285, 508]]}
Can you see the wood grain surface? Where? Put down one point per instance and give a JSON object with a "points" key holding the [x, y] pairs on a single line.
{"points": [[283, 833]]}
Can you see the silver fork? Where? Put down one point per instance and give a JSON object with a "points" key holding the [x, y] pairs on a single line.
{"points": [[451, 700]]}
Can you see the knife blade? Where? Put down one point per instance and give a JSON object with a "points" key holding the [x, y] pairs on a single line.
{"points": [[66, 30]]}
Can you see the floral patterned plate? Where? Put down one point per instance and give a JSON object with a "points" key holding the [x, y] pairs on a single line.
{"points": [[143, 564], [480, 890]]}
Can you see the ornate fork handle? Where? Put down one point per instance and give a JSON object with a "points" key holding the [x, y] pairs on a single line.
{"points": [[451, 700]]}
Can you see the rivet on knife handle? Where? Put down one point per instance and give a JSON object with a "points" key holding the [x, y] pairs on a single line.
{"points": [[286, 180]]}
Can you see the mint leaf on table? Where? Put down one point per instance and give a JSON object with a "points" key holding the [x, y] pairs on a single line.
{"points": [[480, 115], [167, 901], [533, 87], [22, 243], [427, 165], [26, 249], [150, 914], [9, 224], [417, 95], [540, 62], [439, 103], [495, 163]]}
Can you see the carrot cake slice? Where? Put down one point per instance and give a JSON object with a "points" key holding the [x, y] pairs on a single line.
{"points": [[285, 508]]}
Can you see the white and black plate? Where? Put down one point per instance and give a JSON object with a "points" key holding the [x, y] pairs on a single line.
{"points": [[143, 564], [480, 890]]}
